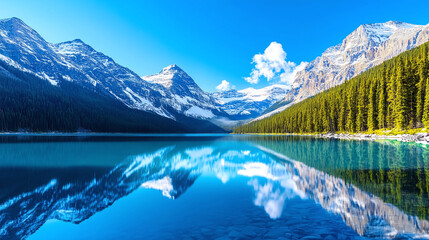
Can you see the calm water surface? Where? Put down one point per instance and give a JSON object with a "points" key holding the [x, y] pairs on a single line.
{"points": [[211, 187]]}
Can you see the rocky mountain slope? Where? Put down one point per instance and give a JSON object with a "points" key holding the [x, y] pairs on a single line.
{"points": [[369, 45]]}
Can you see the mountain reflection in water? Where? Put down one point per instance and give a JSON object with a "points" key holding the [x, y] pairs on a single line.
{"points": [[276, 169], [396, 172]]}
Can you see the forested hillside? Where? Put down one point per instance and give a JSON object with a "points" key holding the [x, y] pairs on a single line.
{"points": [[393, 95], [28, 103]]}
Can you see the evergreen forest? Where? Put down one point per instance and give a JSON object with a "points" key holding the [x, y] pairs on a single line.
{"points": [[393, 95]]}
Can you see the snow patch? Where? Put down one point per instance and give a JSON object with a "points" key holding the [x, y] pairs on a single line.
{"points": [[164, 184], [161, 79], [198, 112]]}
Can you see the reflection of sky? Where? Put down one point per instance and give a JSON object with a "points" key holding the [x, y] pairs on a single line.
{"points": [[208, 210], [248, 177], [270, 180], [272, 194]]}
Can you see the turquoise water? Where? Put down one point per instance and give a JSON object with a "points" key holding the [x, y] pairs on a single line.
{"points": [[211, 187]]}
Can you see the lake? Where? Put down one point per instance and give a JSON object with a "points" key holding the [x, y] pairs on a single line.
{"points": [[211, 187]]}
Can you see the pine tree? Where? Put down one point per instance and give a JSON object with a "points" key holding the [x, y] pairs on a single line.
{"points": [[391, 100], [426, 106], [309, 125], [361, 108], [343, 112], [410, 83], [324, 116], [401, 97], [382, 103], [351, 106], [333, 113], [372, 107], [421, 86]]}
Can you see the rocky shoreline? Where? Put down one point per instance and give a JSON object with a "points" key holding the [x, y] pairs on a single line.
{"points": [[421, 138]]}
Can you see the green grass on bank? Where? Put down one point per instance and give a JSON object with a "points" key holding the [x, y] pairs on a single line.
{"points": [[381, 132]]}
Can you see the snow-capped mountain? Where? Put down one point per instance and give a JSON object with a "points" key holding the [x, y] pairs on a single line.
{"points": [[369, 45], [250, 103], [171, 94], [184, 95]]}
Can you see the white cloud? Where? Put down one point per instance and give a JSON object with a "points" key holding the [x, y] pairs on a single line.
{"points": [[272, 65], [289, 76], [224, 86], [273, 194], [269, 197]]}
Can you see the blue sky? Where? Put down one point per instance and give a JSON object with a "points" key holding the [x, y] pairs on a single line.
{"points": [[212, 40]]}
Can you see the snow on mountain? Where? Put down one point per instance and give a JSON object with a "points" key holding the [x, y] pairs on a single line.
{"points": [[23, 48], [171, 93], [165, 77], [368, 46], [249, 103], [184, 94]]}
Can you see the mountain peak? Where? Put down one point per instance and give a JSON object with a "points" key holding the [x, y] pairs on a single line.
{"points": [[76, 46], [374, 34], [391, 22], [14, 24], [173, 68], [17, 31], [77, 40], [170, 75], [12, 20], [390, 25]]}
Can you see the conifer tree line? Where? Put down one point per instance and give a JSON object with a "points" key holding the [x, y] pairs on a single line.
{"points": [[393, 95]]}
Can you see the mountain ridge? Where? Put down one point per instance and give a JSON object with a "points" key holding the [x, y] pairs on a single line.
{"points": [[249, 102], [77, 62]]}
